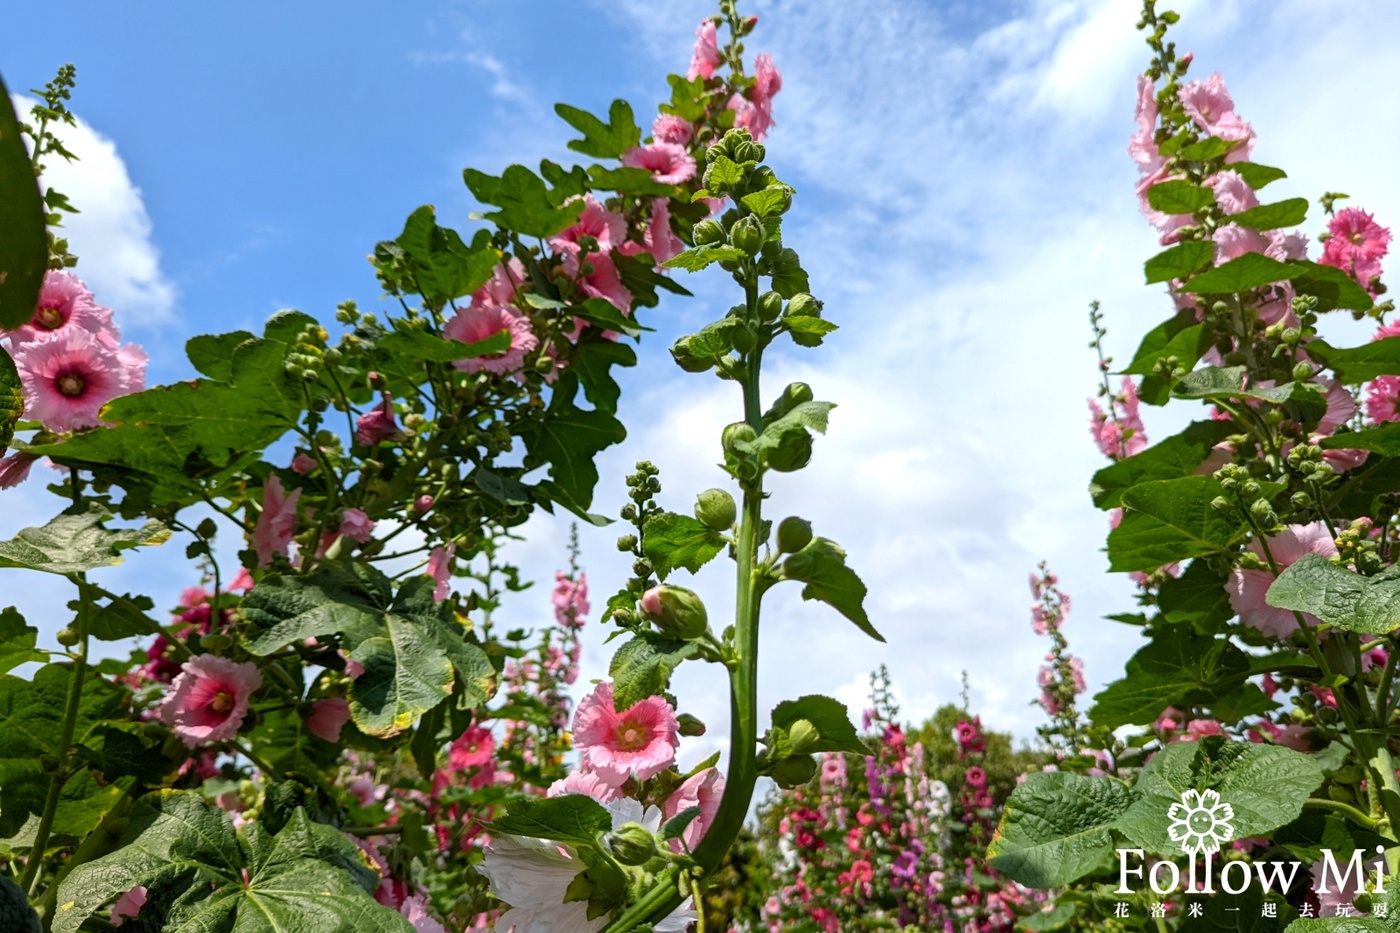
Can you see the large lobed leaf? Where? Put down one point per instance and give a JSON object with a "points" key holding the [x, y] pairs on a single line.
{"points": [[24, 252]]}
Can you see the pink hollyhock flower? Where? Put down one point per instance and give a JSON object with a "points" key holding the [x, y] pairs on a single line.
{"points": [[1143, 146], [303, 463], [1382, 402], [68, 376], [1076, 673], [377, 424], [471, 749], [1233, 241], [596, 221], [585, 782], [975, 776], [661, 240], [1200, 728], [755, 112], [356, 525], [1247, 587], [440, 569], [423, 503], [1356, 245], [209, 699], [1121, 435], [353, 668], [704, 58], [14, 469], [668, 128], [328, 717], [703, 790], [474, 324], [277, 522], [1169, 721], [243, 580], [500, 289], [1209, 104], [1286, 247], [668, 163], [602, 282], [1231, 192], [640, 740], [570, 599], [415, 911], [1341, 406], [64, 302], [128, 906]]}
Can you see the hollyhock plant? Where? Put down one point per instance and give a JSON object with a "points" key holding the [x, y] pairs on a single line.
{"points": [[209, 699], [477, 323], [277, 521], [1248, 587], [440, 569], [570, 598], [639, 741]]}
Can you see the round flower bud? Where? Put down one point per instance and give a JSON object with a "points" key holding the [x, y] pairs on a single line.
{"points": [[675, 611], [67, 637], [794, 455], [770, 306], [794, 534], [626, 542], [216, 641], [804, 305], [744, 338], [689, 725], [795, 771], [708, 233], [803, 736], [715, 509], [748, 234], [631, 844], [737, 434]]}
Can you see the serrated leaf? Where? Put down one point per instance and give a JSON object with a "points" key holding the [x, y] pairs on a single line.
{"points": [[1214, 382], [212, 354], [1252, 270], [722, 174], [788, 277], [1181, 337], [1288, 213], [808, 331], [1360, 364], [1057, 827], [1179, 197], [671, 540], [642, 667], [24, 251], [629, 181], [1332, 287], [11, 399], [822, 566], [1315, 585], [1212, 147], [418, 344], [602, 140], [698, 257], [445, 267], [1177, 456], [675, 827], [1382, 439], [593, 360], [571, 818], [768, 201], [1180, 261], [525, 203], [603, 314], [17, 641], [1170, 520], [73, 542], [829, 717], [1197, 597], [569, 439]]}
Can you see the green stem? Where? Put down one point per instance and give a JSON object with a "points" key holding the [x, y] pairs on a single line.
{"points": [[98, 843], [1345, 809], [70, 724]]}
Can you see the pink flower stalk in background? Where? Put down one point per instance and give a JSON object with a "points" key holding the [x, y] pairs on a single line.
{"points": [[640, 740], [703, 790], [668, 163], [474, 324], [1247, 587], [704, 58], [570, 599], [755, 112], [328, 717], [1118, 432], [377, 424], [440, 569], [277, 522], [209, 699]]}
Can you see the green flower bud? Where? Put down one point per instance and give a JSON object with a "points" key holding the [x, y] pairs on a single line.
{"points": [[744, 339], [803, 736], [715, 509], [216, 641], [1221, 504], [793, 534], [689, 725], [683, 353], [794, 455], [631, 844], [708, 232], [748, 234], [795, 771], [626, 542], [804, 305], [67, 637], [675, 611], [770, 306], [738, 438]]}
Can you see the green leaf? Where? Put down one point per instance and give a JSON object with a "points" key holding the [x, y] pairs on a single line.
{"points": [[675, 827], [1170, 520], [76, 542], [768, 201], [203, 877], [569, 439], [593, 360], [1181, 338], [122, 617], [835, 733], [1288, 213], [446, 268], [721, 175], [1177, 456], [1315, 585], [603, 314], [670, 540], [602, 140], [212, 354], [807, 331], [788, 277], [1252, 270], [31, 711], [1180, 261], [1179, 197], [24, 251], [1382, 439], [1265, 786], [418, 344], [1332, 287], [1212, 147], [11, 399], [1257, 176], [1198, 597], [17, 641], [698, 257], [642, 667], [1213, 382], [1179, 667], [571, 818], [1043, 921], [1057, 828], [1360, 364], [525, 203], [822, 566], [629, 181], [639, 276]]}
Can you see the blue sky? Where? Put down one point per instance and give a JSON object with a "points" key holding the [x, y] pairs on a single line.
{"points": [[963, 192]]}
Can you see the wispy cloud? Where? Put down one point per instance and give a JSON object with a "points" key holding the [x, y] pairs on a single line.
{"points": [[503, 85]]}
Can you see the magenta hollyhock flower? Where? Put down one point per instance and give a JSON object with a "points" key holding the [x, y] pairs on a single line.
{"points": [[585, 782], [356, 525], [277, 522], [423, 503], [570, 599], [68, 376], [1247, 587], [415, 911], [704, 58], [641, 740], [1200, 728], [471, 749], [1142, 147], [669, 163], [440, 569], [128, 906], [14, 469], [1382, 402], [1210, 106], [477, 323], [609, 229], [661, 240], [243, 580], [1356, 244], [64, 302], [209, 699], [668, 128], [328, 717], [378, 424], [703, 790]]}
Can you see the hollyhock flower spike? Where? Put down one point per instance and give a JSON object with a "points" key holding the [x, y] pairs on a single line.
{"points": [[209, 699], [475, 324], [640, 740], [277, 522]]}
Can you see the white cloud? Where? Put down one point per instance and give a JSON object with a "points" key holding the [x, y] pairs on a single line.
{"points": [[112, 235]]}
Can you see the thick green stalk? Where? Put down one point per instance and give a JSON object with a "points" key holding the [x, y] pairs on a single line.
{"points": [[63, 770]]}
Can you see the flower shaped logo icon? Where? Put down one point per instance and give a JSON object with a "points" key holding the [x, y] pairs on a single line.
{"points": [[1201, 822]]}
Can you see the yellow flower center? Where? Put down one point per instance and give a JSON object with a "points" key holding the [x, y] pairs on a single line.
{"points": [[71, 384], [222, 702]]}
